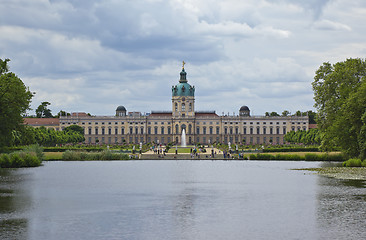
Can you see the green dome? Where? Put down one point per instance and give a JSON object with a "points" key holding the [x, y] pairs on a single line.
{"points": [[183, 88]]}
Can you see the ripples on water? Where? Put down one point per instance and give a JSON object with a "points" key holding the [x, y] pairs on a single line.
{"points": [[178, 200]]}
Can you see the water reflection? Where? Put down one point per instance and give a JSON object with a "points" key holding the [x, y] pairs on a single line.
{"points": [[341, 208], [14, 203], [178, 200]]}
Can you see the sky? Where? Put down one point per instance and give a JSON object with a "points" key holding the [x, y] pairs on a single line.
{"points": [[94, 55]]}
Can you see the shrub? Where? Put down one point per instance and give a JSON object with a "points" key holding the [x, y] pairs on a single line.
{"points": [[31, 160], [68, 155], [35, 148], [353, 162], [17, 161], [29, 157], [5, 161]]}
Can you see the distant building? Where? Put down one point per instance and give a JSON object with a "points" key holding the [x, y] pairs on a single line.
{"points": [[200, 126], [45, 122]]}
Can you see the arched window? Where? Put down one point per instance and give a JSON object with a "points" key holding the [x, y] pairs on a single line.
{"points": [[189, 129], [183, 107], [162, 130], [190, 107], [176, 129], [176, 106]]}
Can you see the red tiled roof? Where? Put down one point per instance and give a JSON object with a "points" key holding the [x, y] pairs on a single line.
{"points": [[313, 125], [42, 121], [79, 114]]}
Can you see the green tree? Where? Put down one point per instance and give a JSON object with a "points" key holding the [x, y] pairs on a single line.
{"points": [[285, 113], [15, 99], [75, 128], [62, 113], [340, 97], [42, 111], [274, 114]]}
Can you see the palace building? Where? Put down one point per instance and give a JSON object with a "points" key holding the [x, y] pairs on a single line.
{"points": [[203, 127]]}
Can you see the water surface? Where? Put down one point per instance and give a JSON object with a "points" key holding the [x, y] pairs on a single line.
{"points": [[179, 200]]}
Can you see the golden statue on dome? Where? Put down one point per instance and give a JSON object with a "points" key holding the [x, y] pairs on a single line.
{"points": [[183, 64]]}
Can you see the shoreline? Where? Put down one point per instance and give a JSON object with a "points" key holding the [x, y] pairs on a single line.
{"points": [[343, 173]]}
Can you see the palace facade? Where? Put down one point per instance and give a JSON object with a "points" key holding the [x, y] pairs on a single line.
{"points": [[203, 127]]}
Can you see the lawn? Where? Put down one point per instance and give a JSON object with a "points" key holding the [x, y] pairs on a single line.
{"points": [[53, 156]]}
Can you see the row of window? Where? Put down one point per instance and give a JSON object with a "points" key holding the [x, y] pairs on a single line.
{"points": [[205, 130], [203, 140], [204, 123]]}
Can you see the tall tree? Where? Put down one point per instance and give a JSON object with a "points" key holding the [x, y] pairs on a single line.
{"points": [[285, 113], [340, 97], [42, 111], [15, 99], [62, 113], [274, 114]]}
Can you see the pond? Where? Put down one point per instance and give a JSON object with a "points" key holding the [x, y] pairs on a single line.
{"points": [[179, 200]]}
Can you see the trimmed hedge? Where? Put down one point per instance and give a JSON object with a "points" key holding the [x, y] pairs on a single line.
{"points": [[291, 149], [85, 156], [296, 157]]}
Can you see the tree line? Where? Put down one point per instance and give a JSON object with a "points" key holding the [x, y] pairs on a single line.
{"points": [[285, 113], [46, 137], [309, 137]]}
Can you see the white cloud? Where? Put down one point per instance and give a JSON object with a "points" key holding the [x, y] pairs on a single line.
{"points": [[92, 55], [330, 25]]}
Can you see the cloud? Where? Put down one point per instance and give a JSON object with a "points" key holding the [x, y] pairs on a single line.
{"points": [[330, 25], [93, 55]]}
